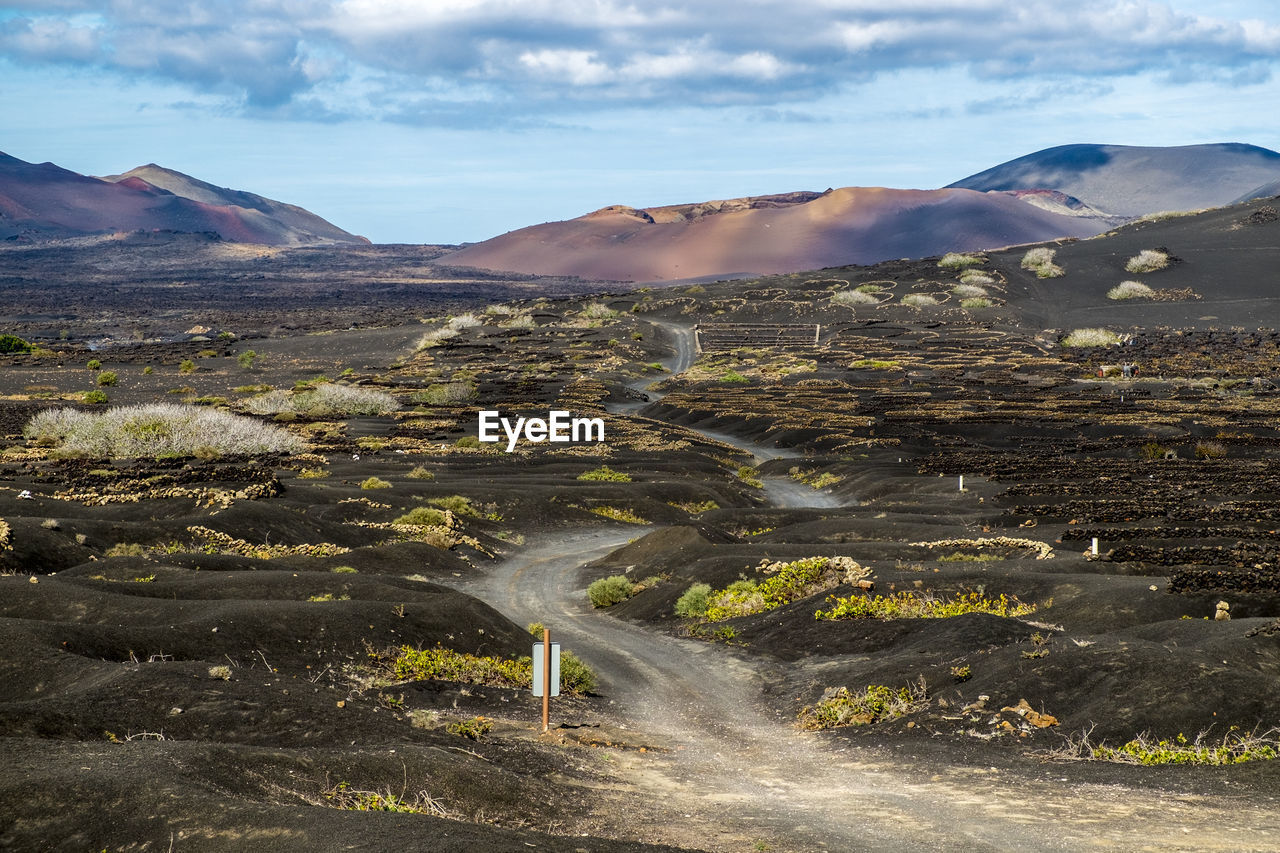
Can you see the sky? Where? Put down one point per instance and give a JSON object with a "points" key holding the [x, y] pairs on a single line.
{"points": [[448, 121]]}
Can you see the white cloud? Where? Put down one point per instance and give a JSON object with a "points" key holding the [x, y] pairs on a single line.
{"points": [[547, 55]]}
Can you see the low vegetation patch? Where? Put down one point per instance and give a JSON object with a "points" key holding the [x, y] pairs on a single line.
{"points": [[408, 663], [424, 516], [784, 582], [850, 298], [1130, 290], [1148, 260], [375, 483], [693, 603], [1041, 262], [1090, 338], [616, 514], [325, 399], [446, 394], [813, 479], [606, 592], [694, 507], [211, 541], [960, 261], [605, 474], [920, 605], [919, 300], [343, 796], [157, 430], [968, 291], [976, 302], [840, 707], [1235, 747], [13, 344]]}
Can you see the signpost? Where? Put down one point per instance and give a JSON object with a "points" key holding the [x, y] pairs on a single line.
{"points": [[546, 674]]}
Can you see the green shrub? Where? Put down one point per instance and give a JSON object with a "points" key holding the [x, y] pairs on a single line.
{"points": [[617, 514], [247, 359], [1151, 451], [456, 504], [93, 364], [605, 474], [693, 603], [375, 483], [606, 592], [107, 378], [1235, 747], [13, 344], [839, 707], [420, 473], [976, 302], [446, 394], [575, 676], [733, 377], [344, 570], [783, 583], [94, 397], [187, 366], [440, 664], [473, 729], [125, 549], [423, 516], [914, 605]]}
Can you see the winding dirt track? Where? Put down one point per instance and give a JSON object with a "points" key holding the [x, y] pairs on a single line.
{"points": [[739, 776]]}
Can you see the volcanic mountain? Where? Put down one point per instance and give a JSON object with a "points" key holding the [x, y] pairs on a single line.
{"points": [[1132, 181], [42, 201], [780, 233]]}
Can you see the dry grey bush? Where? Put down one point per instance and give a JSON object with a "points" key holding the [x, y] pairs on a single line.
{"points": [[155, 430]]}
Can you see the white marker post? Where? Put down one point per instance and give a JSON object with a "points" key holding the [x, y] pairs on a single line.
{"points": [[962, 482], [1094, 546], [546, 674]]}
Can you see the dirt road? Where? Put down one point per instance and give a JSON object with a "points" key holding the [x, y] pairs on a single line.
{"points": [[740, 777]]}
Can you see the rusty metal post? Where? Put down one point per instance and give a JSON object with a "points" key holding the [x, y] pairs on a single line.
{"points": [[546, 679]]}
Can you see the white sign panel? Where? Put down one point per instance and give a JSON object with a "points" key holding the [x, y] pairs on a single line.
{"points": [[537, 669]]}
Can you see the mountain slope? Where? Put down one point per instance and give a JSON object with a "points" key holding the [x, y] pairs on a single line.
{"points": [[294, 224], [772, 234], [42, 201], [1131, 181], [1269, 190]]}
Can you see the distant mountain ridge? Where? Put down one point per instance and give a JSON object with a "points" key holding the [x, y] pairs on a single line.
{"points": [[1131, 181], [1067, 191], [770, 234], [44, 201]]}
